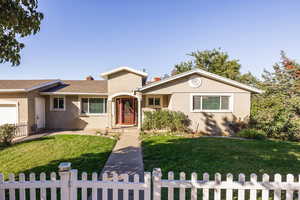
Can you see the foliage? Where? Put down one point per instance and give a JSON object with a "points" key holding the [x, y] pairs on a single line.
{"points": [[18, 19], [277, 110], [252, 134], [166, 120], [7, 133], [86, 153], [223, 155], [217, 62]]}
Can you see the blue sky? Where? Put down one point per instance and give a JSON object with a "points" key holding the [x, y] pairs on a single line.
{"points": [[80, 38]]}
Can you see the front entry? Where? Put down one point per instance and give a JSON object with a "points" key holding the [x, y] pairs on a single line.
{"points": [[126, 111]]}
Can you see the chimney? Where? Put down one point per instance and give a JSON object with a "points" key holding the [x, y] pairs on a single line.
{"points": [[156, 79], [89, 78]]}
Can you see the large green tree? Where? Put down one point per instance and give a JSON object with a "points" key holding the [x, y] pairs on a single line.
{"points": [[215, 61], [18, 19], [277, 110]]}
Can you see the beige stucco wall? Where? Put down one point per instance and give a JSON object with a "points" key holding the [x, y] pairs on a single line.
{"points": [[209, 122], [71, 117], [123, 81]]}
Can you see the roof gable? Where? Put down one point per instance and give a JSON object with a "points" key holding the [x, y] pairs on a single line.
{"points": [[128, 69], [205, 74]]}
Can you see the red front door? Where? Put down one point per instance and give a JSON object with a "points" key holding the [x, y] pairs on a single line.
{"points": [[126, 111]]}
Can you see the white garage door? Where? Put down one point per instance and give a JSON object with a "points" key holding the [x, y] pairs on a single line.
{"points": [[8, 114]]}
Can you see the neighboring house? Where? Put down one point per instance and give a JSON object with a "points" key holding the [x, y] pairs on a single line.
{"points": [[209, 100]]}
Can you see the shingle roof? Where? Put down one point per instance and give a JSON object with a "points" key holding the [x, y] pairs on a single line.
{"points": [[22, 84], [80, 86]]}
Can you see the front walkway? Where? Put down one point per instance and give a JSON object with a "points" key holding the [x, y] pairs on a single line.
{"points": [[127, 155]]}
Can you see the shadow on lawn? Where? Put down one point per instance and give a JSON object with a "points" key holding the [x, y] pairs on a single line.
{"points": [[221, 155], [88, 162]]}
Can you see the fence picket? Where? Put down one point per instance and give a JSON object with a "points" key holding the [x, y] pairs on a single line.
{"points": [[43, 189], [229, 192], [104, 189], [265, 192], [115, 190], [194, 188], [157, 184], [32, 190], [125, 191], [84, 188], [205, 191], [2, 191], [53, 189], [73, 179], [299, 189], [136, 179], [147, 191], [241, 192], [22, 190], [12, 194], [217, 192], [94, 188], [182, 189], [253, 193], [170, 189], [277, 192], [289, 193]]}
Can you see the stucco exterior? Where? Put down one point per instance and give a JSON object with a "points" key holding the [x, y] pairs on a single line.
{"points": [[209, 122], [71, 118], [122, 82], [175, 94]]}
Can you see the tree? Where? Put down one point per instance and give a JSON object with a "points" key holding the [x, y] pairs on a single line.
{"points": [[277, 110], [214, 61], [18, 19], [217, 62]]}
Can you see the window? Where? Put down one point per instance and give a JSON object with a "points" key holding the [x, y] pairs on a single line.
{"points": [[58, 103], [93, 105], [154, 101], [211, 102]]}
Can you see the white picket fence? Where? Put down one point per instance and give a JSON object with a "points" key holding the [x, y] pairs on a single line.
{"points": [[69, 187]]}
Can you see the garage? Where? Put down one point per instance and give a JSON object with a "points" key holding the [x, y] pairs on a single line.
{"points": [[8, 114]]}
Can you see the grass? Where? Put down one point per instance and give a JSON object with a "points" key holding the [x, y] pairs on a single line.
{"points": [[86, 153], [172, 153]]}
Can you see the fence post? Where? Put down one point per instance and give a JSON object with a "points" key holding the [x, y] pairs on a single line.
{"points": [[157, 183], [65, 175]]}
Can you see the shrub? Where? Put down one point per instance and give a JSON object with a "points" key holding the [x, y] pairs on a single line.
{"points": [[166, 120], [7, 133], [252, 134]]}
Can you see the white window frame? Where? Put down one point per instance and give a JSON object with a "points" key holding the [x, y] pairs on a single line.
{"points": [[92, 114], [154, 97], [52, 103], [231, 102]]}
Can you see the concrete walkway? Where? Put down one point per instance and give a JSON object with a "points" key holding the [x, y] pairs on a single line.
{"points": [[127, 155]]}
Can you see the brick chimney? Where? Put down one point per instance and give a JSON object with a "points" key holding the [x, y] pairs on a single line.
{"points": [[89, 78]]}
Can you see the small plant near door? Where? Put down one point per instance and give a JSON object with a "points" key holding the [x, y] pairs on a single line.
{"points": [[7, 133]]}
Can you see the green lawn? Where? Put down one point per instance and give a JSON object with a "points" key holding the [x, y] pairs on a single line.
{"points": [[213, 155], [86, 153]]}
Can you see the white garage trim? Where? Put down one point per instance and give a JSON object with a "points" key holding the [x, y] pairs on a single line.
{"points": [[5, 102]]}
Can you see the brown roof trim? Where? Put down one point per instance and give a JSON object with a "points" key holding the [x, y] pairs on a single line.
{"points": [[31, 88]]}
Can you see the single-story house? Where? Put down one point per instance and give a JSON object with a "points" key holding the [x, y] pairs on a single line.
{"points": [[120, 99]]}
